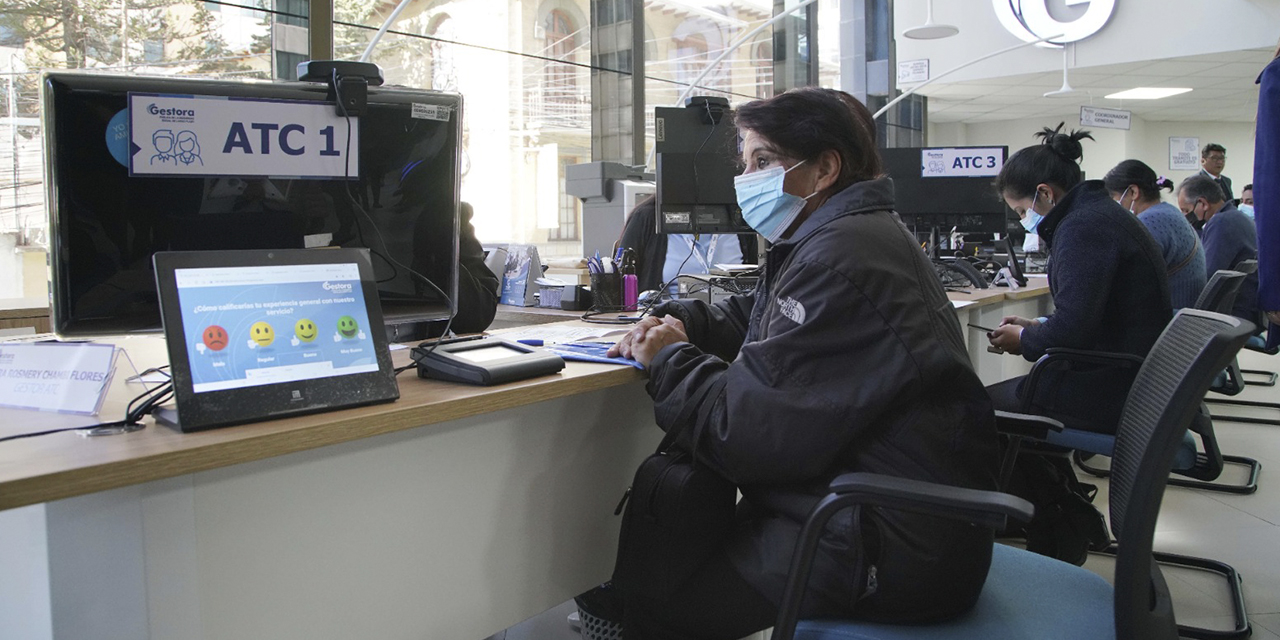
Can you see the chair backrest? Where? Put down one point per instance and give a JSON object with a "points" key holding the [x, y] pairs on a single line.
{"points": [[1165, 396], [1219, 294], [1246, 266]]}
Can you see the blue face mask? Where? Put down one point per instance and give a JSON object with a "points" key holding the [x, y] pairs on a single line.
{"points": [[1032, 219], [1246, 209], [765, 206]]}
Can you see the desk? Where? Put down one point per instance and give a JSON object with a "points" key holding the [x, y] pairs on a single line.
{"points": [[21, 313], [453, 513]]}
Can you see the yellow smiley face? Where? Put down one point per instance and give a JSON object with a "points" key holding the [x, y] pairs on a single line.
{"points": [[262, 333], [305, 330]]}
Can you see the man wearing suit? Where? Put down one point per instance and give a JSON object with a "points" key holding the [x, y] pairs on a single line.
{"points": [[1213, 158]]}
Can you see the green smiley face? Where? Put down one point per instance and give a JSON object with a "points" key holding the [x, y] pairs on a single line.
{"points": [[305, 330], [347, 327]]}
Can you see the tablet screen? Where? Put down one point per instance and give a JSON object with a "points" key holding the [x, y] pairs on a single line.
{"points": [[250, 326]]}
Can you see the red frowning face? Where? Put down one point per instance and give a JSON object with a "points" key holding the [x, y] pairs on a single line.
{"points": [[215, 337]]}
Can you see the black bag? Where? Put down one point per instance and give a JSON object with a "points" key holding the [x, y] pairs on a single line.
{"points": [[1066, 525], [678, 512]]}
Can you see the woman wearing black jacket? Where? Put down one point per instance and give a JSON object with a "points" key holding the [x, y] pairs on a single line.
{"points": [[847, 357], [1107, 277]]}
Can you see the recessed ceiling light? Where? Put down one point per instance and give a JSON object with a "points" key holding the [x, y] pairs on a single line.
{"points": [[1147, 93]]}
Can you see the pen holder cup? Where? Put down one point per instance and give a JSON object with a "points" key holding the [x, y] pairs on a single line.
{"points": [[606, 289]]}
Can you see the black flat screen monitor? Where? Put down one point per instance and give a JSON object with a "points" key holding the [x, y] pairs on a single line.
{"points": [[970, 204], [105, 224], [697, 152]]}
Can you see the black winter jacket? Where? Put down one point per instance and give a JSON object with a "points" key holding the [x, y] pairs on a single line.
{"points": [[847, 357], [1110, 293]]}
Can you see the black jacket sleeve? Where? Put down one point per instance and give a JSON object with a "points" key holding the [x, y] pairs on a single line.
{"points": [[718, 329], [1084, 270], [477, 286], [794, 401]]}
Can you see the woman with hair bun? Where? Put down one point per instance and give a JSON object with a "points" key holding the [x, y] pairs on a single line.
{"points": [[1107, 277], [1136, 187]]}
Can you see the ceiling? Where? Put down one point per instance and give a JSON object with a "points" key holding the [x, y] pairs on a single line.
{"points": [[1222, 84]]}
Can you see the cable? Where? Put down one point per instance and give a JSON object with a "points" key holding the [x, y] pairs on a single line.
{"points": [[346, 183], [138, 408]]}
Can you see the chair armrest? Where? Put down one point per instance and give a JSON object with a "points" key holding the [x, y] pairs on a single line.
{"points": [[1026, 425], [988, 508], [1056, 355]]}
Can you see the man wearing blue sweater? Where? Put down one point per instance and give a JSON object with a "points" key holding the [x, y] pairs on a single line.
{"points": [[1228, 236]]}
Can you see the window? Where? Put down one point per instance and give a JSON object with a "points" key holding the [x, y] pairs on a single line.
{"points": [[155, 37], [762, 61], [570, 209], [560, 80]]}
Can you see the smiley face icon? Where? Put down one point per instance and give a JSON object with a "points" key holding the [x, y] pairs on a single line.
{"points": [[214, 337], [305, 330], [261, 334], [347, 327]]}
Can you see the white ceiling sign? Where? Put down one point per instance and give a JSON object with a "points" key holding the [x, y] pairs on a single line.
{"points": [[1105, 118], [1029, 20], [913, 71]]}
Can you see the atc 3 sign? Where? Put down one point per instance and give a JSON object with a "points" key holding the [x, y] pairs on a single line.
{"points": [[961, 162], [174, 135]]}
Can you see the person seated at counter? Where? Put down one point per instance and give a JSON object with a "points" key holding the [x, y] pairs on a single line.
{"points": [[660, 258], [1135, 186], [843, 359], [1107, 277], [1229, 236]]}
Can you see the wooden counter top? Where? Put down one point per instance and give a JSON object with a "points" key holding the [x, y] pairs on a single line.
{"points": [[62, 465]]}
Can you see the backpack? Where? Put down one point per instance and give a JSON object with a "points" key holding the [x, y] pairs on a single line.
{"points": [[1066, 525]]}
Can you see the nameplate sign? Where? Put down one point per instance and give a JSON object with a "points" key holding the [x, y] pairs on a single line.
{"points": [[172, 135], [961, 162], [67, 378], [1105, 118]]}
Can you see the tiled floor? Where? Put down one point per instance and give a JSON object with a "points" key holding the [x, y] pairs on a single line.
{"points": [[1243, 531]]}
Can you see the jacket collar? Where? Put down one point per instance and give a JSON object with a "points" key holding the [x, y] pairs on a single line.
{"points": [[860, 197], [1084, 195]]}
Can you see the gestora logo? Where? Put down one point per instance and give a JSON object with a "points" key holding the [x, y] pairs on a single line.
{"points": [[337, 287], [170, 111], [1029, 20]]}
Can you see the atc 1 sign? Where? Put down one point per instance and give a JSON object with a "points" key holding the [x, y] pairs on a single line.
{"points": [[961, 162], [173, 135], [1105, 118]]}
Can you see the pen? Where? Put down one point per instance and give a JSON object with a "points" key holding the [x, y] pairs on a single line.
{"points": [[974, 326], [533, 342]]}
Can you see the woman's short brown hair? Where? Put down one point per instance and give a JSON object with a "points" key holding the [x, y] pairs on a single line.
{"points": [[805, 122]]}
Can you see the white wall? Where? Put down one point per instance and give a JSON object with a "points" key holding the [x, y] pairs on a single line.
{"points": [[1138, 30], [1145, 141]]}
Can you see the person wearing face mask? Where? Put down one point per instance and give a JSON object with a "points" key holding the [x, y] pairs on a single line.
{"points": [[1229, 237], [1107, 277], [1246, 201], [846, 357], [1136, 187]]}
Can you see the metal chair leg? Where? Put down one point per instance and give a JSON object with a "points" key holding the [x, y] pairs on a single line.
{"points": [[1269, 377], [1245, 403], [1234, 583], [1249, 486]]}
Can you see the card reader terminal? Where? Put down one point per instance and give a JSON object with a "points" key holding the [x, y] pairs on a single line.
{"points": [[486, 361]]}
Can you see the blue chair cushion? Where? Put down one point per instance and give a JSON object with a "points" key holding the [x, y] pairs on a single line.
{"points": [[1103, 445], [1026, 596], [1098, 443]]}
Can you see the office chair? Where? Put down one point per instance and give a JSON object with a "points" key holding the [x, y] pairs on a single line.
{"points": [[1030, 596], [1218, 296], [1236, 382]]}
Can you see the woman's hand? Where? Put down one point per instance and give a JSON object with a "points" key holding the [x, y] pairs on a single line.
{"points": [[1025, 323], [1008, 337], [648, 337]]}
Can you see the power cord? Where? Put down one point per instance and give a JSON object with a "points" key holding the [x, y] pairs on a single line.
{"points": [[138, 408], [386, 252]]}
